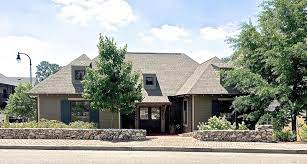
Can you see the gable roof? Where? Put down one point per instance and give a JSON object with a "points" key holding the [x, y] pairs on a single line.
{"points": [[177, 74], [61, 81], [205, 79]]}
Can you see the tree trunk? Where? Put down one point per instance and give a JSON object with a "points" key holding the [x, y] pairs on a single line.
{"points": [[294, 126], [294, 123]]}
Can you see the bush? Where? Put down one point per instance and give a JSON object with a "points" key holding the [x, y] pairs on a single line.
{"points": [[243, 127], [215, 123], [284, 136], [82, 125], [43, 123], [303, 132]]}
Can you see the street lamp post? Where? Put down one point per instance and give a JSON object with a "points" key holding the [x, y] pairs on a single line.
{"points": [[19, 59]]}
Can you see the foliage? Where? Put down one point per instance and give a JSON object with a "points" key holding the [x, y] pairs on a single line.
{"points": [[43, 123], [112, 85], [20, 103], [45, 69], [284, 136], [270, 61], [82, 125], [243, 127], [303, 132], [215, 123]]}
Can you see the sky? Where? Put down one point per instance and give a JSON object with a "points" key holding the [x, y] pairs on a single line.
{"points": [[59, 31]]}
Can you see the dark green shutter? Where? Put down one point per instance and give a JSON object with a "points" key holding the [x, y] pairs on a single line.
{"points": [[94, 116], [215, 108], [65, 111]]}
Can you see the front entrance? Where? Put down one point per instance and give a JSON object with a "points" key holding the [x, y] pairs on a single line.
{"points": [[150, 119]]}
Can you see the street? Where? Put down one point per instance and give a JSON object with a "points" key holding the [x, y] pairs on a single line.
{"points": [[127, 157]]}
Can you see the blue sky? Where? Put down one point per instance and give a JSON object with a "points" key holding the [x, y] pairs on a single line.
{"points": [[61, 30]]}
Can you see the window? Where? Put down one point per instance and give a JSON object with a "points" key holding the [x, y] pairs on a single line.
{"points": [[185, 112], [143, 113], [149, 81], [80, 111], [79, 74], [155, 113]]}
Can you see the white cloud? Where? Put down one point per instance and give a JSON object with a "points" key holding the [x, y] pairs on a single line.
{"points": [[219, 33], [110, 14], [145, 38], [170, 33]]}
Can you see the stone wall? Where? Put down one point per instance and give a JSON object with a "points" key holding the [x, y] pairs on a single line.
{"points": [[78, 134], [263, 133]]}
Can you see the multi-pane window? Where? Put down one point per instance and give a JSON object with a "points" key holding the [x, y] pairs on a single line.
{"points": [[155, 113], [79, 74], [144, 114], [80, 111]]}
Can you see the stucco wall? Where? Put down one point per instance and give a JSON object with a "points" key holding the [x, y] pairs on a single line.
{"points": [[50, 107], [105, 120], [202, 109]]}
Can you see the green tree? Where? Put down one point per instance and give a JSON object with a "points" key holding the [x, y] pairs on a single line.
{"points": [[20, 103], [271, 60], [112, 85], [45, 69]]}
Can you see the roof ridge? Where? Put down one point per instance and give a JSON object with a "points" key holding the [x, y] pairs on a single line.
{"points": [[197, 78], [158, 53], [213, 58]]}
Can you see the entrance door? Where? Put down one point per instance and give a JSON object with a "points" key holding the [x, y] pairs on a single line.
{"points": [[150, 119]]}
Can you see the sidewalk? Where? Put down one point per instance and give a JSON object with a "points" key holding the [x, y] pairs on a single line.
{"points": [[156, 143]]}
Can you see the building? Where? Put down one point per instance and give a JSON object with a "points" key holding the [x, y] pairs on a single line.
{"points": [[178, 94]]}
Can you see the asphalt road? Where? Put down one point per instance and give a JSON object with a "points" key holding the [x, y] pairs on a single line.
{"points": [[127, 157]]}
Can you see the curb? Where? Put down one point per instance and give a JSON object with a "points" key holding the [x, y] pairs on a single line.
{"points": [[174, 149]]}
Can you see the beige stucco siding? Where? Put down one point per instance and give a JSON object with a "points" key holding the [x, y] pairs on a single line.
{"points": [[50, 107], [202, 109], [105, 120]]}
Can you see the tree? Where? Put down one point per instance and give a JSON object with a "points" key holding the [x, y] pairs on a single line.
{"points": [[45, 69], [271, 60], [112, 85], [20, 103]]}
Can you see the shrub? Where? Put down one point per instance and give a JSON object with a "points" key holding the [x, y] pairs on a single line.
{"points": [[303, 132], [243, 127], [284, 136], [82, 125], [215, 123], [43, 123]]}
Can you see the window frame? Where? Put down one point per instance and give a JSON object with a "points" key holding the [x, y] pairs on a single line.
{"points": [[142, 108], [75, 74]]}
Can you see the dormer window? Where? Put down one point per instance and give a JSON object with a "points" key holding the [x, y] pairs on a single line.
{"points": [[149, 81], [79, 75]]}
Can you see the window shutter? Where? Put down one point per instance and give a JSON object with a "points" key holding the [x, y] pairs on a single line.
{"points": [[215, 108], [94, 116], [65, 111]]}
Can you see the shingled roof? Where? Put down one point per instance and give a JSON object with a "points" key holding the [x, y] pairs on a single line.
{"points": [[205, 79], [177, 74], [6, 80], [61, 81]]}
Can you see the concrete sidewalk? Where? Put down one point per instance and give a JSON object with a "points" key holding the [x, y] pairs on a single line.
{"points": [[156, 143]]}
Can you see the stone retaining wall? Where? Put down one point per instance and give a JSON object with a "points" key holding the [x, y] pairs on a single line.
{"points": [[81, 134], [263, 133]]}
